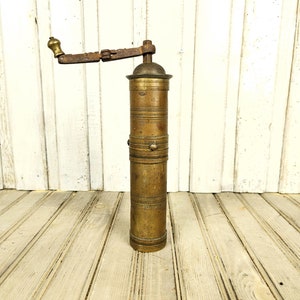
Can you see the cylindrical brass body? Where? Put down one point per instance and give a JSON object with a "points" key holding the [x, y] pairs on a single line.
{"points": [[148, 149]]}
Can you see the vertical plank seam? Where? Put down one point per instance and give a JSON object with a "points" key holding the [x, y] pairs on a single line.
{"points": [[193, 97], [182, 102], [90, 28], [256, 262], [180, 92], [42, 130], [285, 98], [226, 95], [88, 172], [268, 156], [59, 168], [283, 147], [54, 114], [7, 123], [147, 18], [100, 98], [227, 100], [56, 136], [238, 101]]}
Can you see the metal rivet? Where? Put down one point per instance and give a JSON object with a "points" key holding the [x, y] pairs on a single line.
{"points": [[153, 147]]}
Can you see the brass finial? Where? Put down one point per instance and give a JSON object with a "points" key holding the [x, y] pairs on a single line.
{"points": [[54, 45]]}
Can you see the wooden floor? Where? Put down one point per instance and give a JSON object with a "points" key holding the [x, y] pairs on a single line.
{"points": [[74, 245]]}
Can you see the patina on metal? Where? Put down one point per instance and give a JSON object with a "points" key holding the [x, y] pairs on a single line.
{"points": [[148, 141], [104, 55], [148, 148]]}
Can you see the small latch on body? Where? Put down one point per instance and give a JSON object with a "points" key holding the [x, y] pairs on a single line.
{"points": [[153, 146]]}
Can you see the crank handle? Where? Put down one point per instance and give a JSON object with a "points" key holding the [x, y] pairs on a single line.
{"points": [[54, 45], [147, 49]]}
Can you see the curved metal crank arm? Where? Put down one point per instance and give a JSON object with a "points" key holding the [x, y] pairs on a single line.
{"points": [[147, 49]]}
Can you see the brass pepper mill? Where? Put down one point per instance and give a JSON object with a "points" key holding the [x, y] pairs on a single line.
{"points": [[148, 141]]}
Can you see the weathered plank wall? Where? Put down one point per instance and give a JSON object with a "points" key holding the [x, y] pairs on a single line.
{"points": [[234, 100]]}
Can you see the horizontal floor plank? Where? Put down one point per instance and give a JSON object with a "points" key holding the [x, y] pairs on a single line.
{"points": [[286, 236], [294, 197], [239, 268], [84, 250], [75, 245], [116, 267], [45, 254], [9, 198], [287, 208], [14, 247], [282, 278], [197, 276], [20, 211]]}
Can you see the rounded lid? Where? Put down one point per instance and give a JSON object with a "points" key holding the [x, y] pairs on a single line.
{"points": [[149, 70]]}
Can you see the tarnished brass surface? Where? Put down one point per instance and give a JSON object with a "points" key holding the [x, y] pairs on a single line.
{"points": [[148, 150], [148, 140], [54, 45], [147, 49], [79, 58]]}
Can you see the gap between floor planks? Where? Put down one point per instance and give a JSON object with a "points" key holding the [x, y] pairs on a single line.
{"points": [[74, 245]]}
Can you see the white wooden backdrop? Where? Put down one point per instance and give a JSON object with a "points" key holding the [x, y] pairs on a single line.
{"points": [[234, 103]]}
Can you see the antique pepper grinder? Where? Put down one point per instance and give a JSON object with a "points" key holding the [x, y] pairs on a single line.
{"points": [[148, 140]]}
